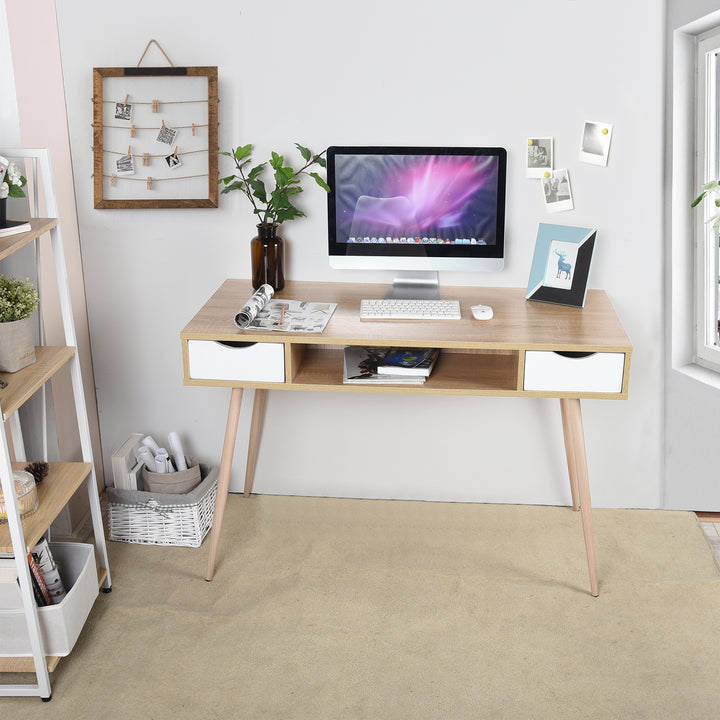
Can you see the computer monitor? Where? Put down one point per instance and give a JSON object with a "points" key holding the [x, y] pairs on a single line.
{"points": [[416, 211]]}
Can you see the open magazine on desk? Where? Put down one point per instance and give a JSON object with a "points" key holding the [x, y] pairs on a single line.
{"points": [[261, 312]]}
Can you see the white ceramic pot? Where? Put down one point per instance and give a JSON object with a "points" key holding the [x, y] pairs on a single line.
{"points": [[17, 349]]}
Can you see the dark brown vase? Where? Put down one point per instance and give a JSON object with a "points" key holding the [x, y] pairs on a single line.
{"points": [[267, 252]]}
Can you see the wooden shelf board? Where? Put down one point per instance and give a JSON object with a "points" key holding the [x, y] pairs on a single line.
{"points": [[54, 492], [25, 664], [11, 243], [23, 384]]}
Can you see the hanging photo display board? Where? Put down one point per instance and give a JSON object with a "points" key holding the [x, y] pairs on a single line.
{"points": [[155, 137]]}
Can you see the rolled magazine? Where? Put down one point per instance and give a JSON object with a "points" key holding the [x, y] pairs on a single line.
{"points": [[254, 305]]}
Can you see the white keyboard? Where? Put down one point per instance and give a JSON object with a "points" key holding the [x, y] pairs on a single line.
{"points": [[409, 309]]}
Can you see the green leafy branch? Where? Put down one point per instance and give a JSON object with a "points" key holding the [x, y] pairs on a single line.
{"points": [[710, 188], [274, 206]]}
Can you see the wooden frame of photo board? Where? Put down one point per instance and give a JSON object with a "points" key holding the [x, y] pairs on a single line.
{"points": [[160, 96]]}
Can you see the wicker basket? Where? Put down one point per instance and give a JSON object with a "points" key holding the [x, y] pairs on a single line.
{"points": [[149, 518]]}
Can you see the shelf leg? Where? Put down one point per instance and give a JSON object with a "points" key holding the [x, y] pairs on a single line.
{"points": [[224, 477], [255, 431], [570, 454], [573, 414]]}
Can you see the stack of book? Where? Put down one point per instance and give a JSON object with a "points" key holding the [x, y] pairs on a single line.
{"points": [[388, 366]]}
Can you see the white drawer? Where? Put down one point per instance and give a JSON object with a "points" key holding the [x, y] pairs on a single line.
{"points": [[244, 362], [596, 372]]}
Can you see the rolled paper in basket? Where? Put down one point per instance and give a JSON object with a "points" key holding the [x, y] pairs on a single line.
{"points": [[254, 305]]}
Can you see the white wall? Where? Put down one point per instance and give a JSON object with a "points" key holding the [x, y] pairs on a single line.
{"points": [[692, 395], [403, 72]]}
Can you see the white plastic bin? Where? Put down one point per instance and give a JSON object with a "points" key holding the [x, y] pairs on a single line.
{"points": [[60, 624]]}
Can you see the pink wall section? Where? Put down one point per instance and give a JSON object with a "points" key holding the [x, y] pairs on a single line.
{"points": [[35, 49]]}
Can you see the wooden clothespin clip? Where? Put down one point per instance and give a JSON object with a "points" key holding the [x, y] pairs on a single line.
{"points": [[132, 131], [126, 99], [175, 153], [156, 106], [149, 183], [193, 129], [163, 124], [146, 158], [112, 179]]}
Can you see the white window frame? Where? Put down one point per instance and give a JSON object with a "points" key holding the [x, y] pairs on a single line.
{"points": [[707, 349]]}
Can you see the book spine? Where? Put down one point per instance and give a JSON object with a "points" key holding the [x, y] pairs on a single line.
{"points": [[38, 581]]}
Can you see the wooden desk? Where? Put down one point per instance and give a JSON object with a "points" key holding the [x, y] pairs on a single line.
{"points": [[521, 352]]}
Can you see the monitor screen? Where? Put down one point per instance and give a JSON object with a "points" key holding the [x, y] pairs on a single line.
{"points": [[406, 208]]}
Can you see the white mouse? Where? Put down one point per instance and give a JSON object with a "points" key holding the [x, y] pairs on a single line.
{"points": [[482, 312]]}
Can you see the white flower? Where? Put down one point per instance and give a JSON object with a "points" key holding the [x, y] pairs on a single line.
{"points": [[4, 191], [13, 174]]}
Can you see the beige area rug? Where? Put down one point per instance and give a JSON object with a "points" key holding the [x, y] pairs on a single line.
{"points": [[324, 608]]}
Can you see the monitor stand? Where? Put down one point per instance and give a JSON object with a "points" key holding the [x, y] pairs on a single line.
{"points": [[422, 285]]}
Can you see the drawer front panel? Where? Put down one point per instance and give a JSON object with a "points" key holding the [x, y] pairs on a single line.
{"points": [[552, 372], [256, 362]]}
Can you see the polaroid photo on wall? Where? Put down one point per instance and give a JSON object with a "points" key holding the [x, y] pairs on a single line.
{"points": [[539, 158], [166, 135], [595, 144], [173, 161], [557, 191], [125, 165], [123, 112]]}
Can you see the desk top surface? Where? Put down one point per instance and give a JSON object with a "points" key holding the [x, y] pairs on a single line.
{"points": [[517, 322]]}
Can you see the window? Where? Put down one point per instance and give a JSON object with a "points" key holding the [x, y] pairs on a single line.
{"points": [[707, 275]]}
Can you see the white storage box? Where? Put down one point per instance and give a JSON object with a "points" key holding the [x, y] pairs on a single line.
{"points": [[147, 518], [553, 372], [243, 362], [60, 624]]}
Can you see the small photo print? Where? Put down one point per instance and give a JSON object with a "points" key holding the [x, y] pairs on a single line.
{"points": [[561, 264], [125, 165], [595, 145], [539, 156], [166, 135], [123, 112], [173, 161], [557, 192]]}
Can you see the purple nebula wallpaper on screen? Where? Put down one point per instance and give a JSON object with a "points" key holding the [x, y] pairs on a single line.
{"points": [[438, 199]]}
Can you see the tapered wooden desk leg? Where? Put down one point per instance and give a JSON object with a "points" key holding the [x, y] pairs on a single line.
{"points": [[573, 415], [570, 454], [255, 429], [224, 477]]}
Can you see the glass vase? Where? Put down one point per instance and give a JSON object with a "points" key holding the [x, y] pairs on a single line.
{"points": [[267, 253]]}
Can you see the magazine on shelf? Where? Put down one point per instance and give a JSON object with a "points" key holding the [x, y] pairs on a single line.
{"points": [[261, 312], [408, 361], [360, 368], [14, 227]]}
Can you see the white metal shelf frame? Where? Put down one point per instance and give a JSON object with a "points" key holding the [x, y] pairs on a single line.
{"points": [[41, 158]]}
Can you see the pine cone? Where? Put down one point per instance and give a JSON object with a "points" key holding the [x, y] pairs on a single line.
{"points": [[38, 470]]}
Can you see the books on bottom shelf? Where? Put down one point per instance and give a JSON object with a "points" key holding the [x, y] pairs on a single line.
{"points": [[408, 361], [361, 367]]}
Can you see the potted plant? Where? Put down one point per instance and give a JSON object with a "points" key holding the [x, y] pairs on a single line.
{"points": [[18, 300], [272, 204], [11, 186]]}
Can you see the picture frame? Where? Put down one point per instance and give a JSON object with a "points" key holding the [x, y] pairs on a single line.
{"points": [[561, 264], [142, 115]]}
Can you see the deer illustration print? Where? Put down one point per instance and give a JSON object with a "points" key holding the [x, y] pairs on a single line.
{"points": [[563, 267]]}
